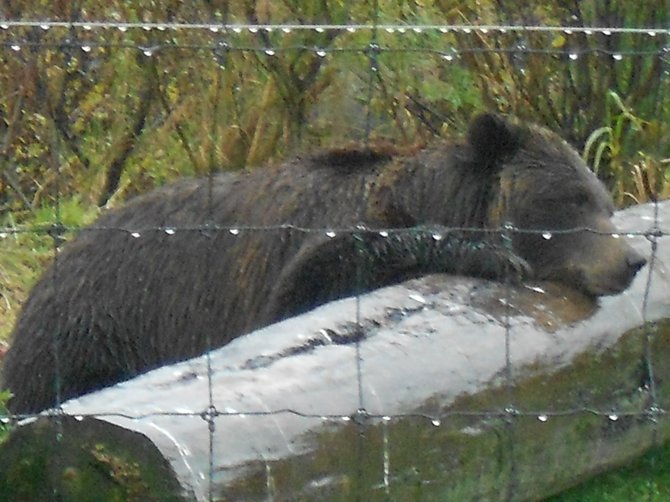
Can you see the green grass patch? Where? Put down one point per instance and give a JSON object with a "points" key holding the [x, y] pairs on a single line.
{"points": [[648, 479]]}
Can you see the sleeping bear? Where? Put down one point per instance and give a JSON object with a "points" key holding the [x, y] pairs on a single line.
{"points": [[192, 265]]}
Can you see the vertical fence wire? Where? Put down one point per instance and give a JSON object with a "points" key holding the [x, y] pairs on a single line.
{"points": [[510, 412], [361, 415], [220, 57], [56, 234], [653, 408]]}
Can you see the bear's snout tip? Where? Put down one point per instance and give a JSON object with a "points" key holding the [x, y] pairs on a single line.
{"points": [[635, 262]]}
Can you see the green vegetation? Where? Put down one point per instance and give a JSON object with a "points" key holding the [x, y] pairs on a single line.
{"points": [[4, 427], [646, 479], [89, 118], [104, 463]]}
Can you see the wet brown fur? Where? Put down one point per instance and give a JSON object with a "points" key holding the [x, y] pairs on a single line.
{"points": [[117, 305]]}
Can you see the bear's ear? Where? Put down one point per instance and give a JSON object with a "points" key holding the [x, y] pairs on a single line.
{"points": [[493, 138]]}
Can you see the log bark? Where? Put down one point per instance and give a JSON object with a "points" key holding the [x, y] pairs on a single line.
{"points": [[441, 388]]}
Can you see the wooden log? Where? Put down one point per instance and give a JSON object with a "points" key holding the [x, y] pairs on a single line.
{"points": [[441, 388]]}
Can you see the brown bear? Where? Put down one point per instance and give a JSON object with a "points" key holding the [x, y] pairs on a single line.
{"points": [[192, 265]]}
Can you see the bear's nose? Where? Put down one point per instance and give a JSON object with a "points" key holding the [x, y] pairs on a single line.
{"points": [[635, 262]]}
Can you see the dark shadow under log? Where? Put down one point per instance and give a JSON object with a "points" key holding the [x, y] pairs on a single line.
{"points": [[442, 388]]}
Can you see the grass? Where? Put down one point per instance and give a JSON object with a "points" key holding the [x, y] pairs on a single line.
{"points": [[647, 479], [27, 248]]}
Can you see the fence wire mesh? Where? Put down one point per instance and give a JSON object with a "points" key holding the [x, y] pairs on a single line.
{"points": [[79, 43]]}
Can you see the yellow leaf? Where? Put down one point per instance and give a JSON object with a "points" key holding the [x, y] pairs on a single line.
{"points": [[558, 42]]}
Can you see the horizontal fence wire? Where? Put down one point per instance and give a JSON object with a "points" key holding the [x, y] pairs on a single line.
{"points": [[97, 29], [438, 232], [448, 54], [320, 28], [357, 415]]}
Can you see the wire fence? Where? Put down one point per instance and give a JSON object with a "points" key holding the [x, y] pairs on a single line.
{"points": [[88, 37], [218, 40]]}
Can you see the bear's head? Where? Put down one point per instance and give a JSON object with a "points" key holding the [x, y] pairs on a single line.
{"points": [[560, 211]]}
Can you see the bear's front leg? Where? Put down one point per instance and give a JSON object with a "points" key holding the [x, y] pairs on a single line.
{"points": [[326, 268]]}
